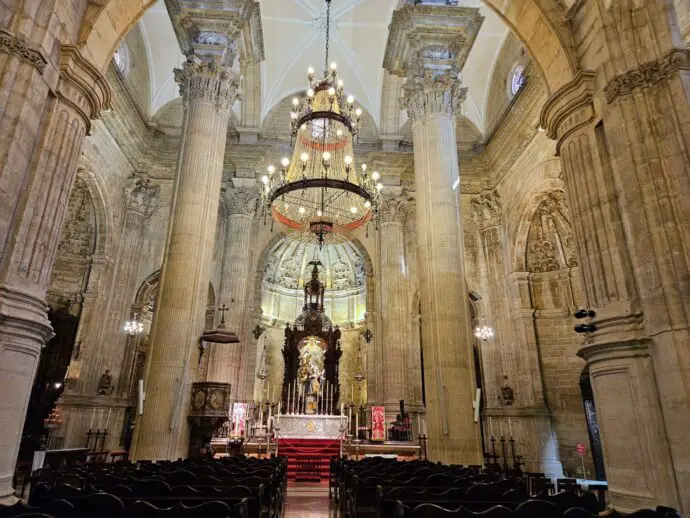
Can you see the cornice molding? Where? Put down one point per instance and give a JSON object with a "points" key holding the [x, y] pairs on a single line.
{"points": [[81, 85], [23, 49], [648, 74], [569, 108]]}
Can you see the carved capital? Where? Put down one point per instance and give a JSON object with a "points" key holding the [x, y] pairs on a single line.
{"points": [[140, 195], [394, 210], [486, 209], [23, 49], [242, 202], [207, 81], [648, 74], [569, 108], [81, 85], [431, 94]]}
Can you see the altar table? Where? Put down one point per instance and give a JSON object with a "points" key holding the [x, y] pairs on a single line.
{"points": [[306, 426]]}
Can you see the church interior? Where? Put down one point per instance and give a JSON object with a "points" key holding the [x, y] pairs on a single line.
{"points": [[304, 258]]}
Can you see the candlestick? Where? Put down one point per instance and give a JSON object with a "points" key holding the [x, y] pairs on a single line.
{"points": [[273, 394], [279, 406], [500, 424], [270, 412], [100, 418], [294, 395], [357, 425], [491, 427], [510, 427], [352, 393], [342, 408], [93, 416], [108, 418]]}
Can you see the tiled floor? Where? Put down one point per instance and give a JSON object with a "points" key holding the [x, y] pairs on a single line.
{"points": [[308, 501]]}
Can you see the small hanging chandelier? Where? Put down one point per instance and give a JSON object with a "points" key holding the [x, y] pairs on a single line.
{"points": [[321, 193], [133, 327], [483, 332]]}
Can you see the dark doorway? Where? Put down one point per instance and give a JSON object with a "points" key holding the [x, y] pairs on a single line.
{"points": [[49, 381]]}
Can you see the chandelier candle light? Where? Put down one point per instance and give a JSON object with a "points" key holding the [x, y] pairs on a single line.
{"points": [[321, 193], [133, 327], [483, 332]]}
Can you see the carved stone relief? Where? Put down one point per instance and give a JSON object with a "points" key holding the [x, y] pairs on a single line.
{"points": [[550, 240]]}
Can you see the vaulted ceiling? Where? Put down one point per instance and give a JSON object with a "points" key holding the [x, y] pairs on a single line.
{"points": [[293, 33]]}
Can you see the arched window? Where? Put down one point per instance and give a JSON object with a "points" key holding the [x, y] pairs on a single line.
{"points": [[122, 58], [517, 79]]}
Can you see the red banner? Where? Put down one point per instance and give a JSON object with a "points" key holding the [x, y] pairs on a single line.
{"points": [[581, 449], [378, 423]]}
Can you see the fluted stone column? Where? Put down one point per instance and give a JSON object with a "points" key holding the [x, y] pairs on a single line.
{"points": [[394, 301], [414, 363], [41, 135], [226, 362], [208, 89], [636, 384], [446, 334]]}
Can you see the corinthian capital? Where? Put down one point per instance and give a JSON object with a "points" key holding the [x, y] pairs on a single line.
{"points": [[242, 201], [486, 209], [209, 81], [394, 210], [430, 94], [140, 195]]}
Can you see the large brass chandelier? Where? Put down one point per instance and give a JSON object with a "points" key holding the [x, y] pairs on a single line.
{"points": [[321, 193]]}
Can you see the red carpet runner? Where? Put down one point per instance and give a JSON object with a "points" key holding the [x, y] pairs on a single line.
{"points": [[312, 454]]}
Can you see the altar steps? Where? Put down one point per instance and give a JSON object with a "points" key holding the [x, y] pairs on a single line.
{"points": [[308, 459]]}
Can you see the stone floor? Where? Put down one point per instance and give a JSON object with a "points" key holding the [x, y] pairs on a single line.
{"points": [[306, 500]]}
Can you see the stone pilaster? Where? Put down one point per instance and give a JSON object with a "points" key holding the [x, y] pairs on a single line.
{"points": [[394, 300], [106, 346], [431, 102], [626, 291], [38, 164], [208, 88], [414, 362], [226, 362], [508, 359]]}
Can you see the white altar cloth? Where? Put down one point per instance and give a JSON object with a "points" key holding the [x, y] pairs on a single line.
{"points": [[305, 426]]}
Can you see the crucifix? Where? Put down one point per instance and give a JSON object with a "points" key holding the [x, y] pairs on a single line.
{"points": [[222, 310]]}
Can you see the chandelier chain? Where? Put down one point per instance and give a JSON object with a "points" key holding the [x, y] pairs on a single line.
{"points": [[328, 33]]}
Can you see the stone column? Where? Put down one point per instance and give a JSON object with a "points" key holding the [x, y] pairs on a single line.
{"points": [[226, 361], [41, 135], [510, 358], [208, 88], [394, 302], [414, 363], [630, 341], [446, 334]]}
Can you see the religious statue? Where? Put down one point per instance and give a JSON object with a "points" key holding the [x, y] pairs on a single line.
{"points": [[105, 384], [311, 366]]}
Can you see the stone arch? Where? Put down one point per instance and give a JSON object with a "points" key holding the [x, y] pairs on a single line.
{"points": [[136, 350], [103, 210], [519, 245], [539, 24]]}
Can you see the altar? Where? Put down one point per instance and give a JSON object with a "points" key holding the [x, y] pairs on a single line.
{"points": [[304, 426]]}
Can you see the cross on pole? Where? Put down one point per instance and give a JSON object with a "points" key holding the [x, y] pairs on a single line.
{"points": [[222, 310]]}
